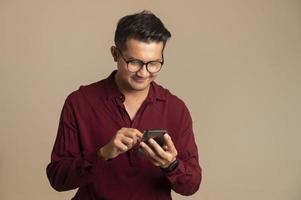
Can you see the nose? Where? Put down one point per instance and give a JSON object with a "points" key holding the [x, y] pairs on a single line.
{"points": [[143, 71]]}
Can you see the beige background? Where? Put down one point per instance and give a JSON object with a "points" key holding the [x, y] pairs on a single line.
{"points": [[235, 63]]}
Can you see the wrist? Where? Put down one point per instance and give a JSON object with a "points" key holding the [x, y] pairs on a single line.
{"points": [[101, 154], [171, 167]]}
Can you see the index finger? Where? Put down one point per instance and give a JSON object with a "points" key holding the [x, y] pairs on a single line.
{"points": [[132, 132]]}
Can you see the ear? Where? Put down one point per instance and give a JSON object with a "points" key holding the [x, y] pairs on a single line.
{"points": [[114, 53]]}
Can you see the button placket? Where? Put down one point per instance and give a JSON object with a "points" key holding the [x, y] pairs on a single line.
{"points": [[133, 154]]}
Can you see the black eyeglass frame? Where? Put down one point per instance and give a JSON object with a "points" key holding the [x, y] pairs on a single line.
{"points": [[141, 63]]}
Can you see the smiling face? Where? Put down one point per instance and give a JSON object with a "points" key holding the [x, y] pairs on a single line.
{"points": [[136, 50]]}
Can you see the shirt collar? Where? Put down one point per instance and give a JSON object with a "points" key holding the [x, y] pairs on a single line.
{"points": [[155, 91], [111, 87]]}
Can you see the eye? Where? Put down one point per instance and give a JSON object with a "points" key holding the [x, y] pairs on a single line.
{"points": [[136, 62], [154, 64]]}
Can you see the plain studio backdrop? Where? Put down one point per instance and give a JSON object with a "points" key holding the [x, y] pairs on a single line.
{"points": [[235, 63]]}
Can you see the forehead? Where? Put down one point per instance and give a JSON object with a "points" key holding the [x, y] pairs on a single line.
{"points": [[144, 49]]}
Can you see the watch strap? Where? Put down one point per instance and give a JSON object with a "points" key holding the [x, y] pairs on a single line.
{"points": [[171, 167]]}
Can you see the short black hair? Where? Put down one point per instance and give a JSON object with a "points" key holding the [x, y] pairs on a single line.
{"points": [[144, 26]]}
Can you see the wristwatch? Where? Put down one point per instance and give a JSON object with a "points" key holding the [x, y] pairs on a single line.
{"points": [[171, 167]]}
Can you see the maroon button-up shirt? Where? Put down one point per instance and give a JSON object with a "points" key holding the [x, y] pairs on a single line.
{"points": [[91, 116]]}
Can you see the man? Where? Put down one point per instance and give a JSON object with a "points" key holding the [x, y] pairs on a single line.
{"points": [[98, 148]]}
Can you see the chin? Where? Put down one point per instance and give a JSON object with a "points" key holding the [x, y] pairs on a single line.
{"points": [[139, 87]]}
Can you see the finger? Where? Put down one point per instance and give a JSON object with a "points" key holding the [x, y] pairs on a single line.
{"points": [[138, 133], [127, 133], [133, 133], [146, 149], [143, 149], [159, 151], [155, 162], [151, 154], [133, 138], [120, 146], [170, 145], [129, 142]]}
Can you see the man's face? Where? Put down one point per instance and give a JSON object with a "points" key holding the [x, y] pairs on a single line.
{"points": [[137, 50]]}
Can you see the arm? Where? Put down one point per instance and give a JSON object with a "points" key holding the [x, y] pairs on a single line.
{"points": [[70, 168], [186, 177]]}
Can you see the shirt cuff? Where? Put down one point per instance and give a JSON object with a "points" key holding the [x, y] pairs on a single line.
{"points": [[172, 176]]}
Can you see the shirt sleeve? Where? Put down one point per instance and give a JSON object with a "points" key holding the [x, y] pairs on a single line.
{"points": [[186, 178], [69, 167]]}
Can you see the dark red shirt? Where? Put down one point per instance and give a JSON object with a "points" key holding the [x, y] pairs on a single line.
{"points": [[91, 116]]}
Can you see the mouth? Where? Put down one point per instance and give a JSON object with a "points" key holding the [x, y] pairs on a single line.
{"points": [[139, 79]]}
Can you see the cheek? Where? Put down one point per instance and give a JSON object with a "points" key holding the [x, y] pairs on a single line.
{"points": [[153, 77], [122, 69], [125, 74]]}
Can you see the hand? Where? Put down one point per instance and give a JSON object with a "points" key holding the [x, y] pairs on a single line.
{"points": [[123, 141], [160, 157]]}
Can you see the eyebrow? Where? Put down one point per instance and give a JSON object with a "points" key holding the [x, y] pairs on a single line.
{"points": [[133, 58]]}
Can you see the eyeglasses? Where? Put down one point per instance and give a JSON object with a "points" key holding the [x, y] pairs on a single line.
{"points": [[134, 65]]}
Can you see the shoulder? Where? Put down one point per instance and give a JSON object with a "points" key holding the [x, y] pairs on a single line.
{"points": [[174, 104], [178, 118], [87, 92], [171, 99]]}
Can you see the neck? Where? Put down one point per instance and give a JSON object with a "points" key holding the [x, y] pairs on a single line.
{"points": [[138, 96]]}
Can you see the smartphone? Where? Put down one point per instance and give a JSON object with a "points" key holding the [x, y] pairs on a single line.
{"points": [[156, 134]]}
